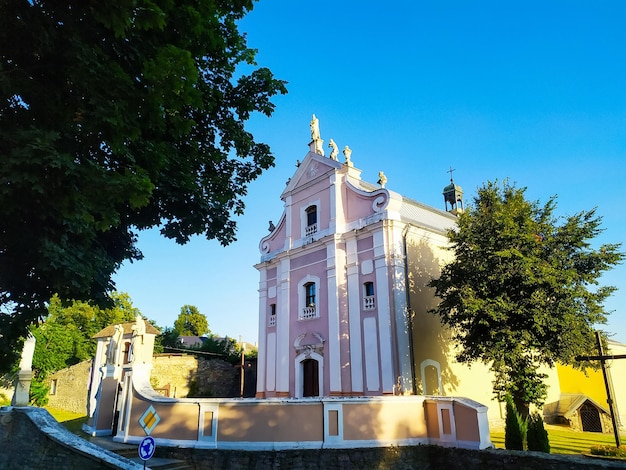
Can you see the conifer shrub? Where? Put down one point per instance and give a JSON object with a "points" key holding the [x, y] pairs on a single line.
{"points": [[537, 436], [515, 427]]}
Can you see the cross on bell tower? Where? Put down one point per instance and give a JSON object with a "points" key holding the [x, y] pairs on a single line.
{"points": [[453, 194]]}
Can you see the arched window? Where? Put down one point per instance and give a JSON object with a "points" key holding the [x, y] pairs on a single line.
{"points": [[311, 220], [308, 301]]}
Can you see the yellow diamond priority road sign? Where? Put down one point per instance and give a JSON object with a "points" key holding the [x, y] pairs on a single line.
{"points": [[149, 419]]}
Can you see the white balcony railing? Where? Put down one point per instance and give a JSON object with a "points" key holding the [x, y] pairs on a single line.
{"points": [[308, 312], [272, 321], [310, 230], [369, 302]]}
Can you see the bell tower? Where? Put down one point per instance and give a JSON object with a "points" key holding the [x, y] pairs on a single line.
{"points": [[453, 195]]}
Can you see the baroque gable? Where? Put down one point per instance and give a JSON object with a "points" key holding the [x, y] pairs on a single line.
{"points": [[309, 171]]}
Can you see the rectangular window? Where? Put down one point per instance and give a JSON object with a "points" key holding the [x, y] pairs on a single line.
{"points": [[272, 317], [53, 387], [311, 215], [310, 294], [369, 299], [311, 220], [310, 308]]}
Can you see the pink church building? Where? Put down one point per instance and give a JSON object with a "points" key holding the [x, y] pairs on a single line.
{"points": [[339, 273]]}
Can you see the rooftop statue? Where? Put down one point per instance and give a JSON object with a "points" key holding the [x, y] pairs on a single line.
{"points": [[347, 152], [114, 344], [316, 141], [334, 151], [382, 179], [315, 129]]}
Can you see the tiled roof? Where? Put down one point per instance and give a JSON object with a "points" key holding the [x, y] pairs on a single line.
{"points": [[128, 329]]}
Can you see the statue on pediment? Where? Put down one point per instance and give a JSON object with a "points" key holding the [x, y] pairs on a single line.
{"points": [[335, 151]]}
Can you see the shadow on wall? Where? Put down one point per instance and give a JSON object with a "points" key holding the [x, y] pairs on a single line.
{"points": [[431, 340], [216, 378], [195, 376]]}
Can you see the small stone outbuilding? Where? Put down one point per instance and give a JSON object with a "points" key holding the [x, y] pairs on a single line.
{"points": [[579, 412]]}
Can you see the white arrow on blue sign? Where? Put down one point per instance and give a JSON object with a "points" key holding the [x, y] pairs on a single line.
{"points": [[146, 448]]}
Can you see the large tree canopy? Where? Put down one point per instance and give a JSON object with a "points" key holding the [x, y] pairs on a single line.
{"points": [[117, 116], [65, 337], [191, 322], [522, 290]]}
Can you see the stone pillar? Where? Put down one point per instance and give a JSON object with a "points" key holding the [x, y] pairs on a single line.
{"points": [[25, 374]]}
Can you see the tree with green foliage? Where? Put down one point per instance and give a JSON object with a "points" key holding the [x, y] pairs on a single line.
{"points": [[117, 117], [536, 434], [515, 426], [168, 338], [522, 290], [191, 322], [64, 338], [227, 348]]}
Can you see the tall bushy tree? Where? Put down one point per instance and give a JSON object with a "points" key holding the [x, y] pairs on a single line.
{"points": [[226, 348], [191, 322], [64, 338], [522, 290], [117, 116]]}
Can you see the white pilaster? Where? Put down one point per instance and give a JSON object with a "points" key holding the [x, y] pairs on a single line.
{"points": [[335, 264], [354, 315], [383, 298], [397, 260], [288, 236], [337, 217], [262, 348], [283, 365]]}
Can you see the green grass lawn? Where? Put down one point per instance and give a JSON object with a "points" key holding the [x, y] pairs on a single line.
{"points": [[563, 441], [72, 421]]}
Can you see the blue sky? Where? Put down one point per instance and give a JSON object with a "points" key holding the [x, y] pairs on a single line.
{"points": [[530, 91]]}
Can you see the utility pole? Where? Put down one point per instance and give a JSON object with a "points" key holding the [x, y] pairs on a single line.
{"points": [[607, 381]]}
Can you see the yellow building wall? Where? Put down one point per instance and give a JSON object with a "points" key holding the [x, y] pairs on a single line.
{"points": [[592, 383], [432, 342], [575, 381]]}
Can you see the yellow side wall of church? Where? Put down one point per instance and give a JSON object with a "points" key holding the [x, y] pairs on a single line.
{"points": [[576, 381]]}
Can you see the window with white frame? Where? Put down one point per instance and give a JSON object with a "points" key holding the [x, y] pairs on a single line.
{"points": [[271, 321], [311, 220], [369, 299], [308, 292]]}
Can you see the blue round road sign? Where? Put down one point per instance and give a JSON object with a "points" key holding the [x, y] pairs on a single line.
{"points": [[146, 448]]}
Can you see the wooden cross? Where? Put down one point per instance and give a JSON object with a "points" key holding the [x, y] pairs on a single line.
{"points": [[607, 381]]}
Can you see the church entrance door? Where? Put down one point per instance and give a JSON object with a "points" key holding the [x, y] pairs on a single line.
{"points": [[311, 385]]}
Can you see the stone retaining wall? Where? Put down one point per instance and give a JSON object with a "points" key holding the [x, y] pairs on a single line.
{"points": [[69, 387], [31, 438], [182, 374], [383, 458]]}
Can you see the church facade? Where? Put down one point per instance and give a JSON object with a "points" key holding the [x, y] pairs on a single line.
{"points": [[344, 296], [343, 288]]}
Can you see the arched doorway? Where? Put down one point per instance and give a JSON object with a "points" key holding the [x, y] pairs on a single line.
{"points": [[310, 377], [590, 418]]}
